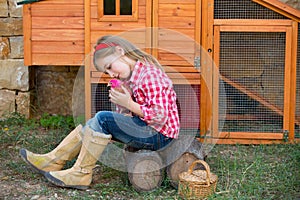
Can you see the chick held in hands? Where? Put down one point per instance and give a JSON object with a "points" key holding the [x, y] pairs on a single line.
{"points": [[117, 86]]}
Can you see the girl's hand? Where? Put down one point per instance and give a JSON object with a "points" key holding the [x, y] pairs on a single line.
{"points": [[122, 99]]}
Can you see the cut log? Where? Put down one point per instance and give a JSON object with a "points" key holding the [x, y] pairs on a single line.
{"points": [[145, 171], [179, 166]]}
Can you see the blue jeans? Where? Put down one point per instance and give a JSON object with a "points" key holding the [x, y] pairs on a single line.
{"points": [[130, 130]]}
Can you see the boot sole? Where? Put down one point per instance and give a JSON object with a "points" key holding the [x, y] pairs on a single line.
{"points": [[23, 155], [59, 183]]}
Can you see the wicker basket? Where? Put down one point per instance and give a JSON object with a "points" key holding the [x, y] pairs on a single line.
{"points": [[197, 184]]}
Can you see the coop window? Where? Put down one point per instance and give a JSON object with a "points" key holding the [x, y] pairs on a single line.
{"points": [[117, 10]]}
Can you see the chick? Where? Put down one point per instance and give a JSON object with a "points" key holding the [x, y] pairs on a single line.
{"points": [[116, 84]]}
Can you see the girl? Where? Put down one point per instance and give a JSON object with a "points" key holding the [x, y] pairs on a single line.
{"points": [[154, 122]]}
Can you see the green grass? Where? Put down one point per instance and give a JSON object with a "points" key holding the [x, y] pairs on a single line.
{"points": [[244, 171]]}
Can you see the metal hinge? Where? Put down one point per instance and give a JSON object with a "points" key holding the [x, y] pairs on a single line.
{"points": [[197, 63]]}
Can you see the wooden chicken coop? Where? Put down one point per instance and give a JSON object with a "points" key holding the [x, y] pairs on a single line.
{"points": [[237, 60]]}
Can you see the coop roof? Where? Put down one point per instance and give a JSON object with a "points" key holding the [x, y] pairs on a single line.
{"points": [[281, 8]]}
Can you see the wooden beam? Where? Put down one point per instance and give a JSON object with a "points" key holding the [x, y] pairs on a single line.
{"points": [[287, 79], [27, 31], [87, 51], [253, 22], [207, 11], [280, 8], [248, 135], [293, 84]]}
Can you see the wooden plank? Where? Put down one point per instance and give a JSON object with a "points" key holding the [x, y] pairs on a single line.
{"points": [[293, 83], [95, 35], [177, 47], [175, 57], [155, 31], [58, 22], [57, 35], [287, 79], [117, 26], [59, 2], [252, 22], [52, 10], [247, 141], [58, 59], [280, 8], [248, 135], [27, 34], [87, 61], [148, 17], [215, 79], [177, 1], [58, 47], [175, 63], [177, 22], [207, 17], [176, 34], [179, 10], [253, 28]]}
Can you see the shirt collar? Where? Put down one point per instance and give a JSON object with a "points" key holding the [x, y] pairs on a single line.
{"points": [[136, 71]]}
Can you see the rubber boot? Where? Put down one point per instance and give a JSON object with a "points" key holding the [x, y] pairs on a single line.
{"points": [[57, 158], [80, 175]]}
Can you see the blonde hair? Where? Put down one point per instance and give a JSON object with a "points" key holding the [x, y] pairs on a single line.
{"points": [[130, 50]]}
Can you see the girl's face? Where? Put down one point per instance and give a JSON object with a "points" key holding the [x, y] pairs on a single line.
{"points": [[116, 65]]}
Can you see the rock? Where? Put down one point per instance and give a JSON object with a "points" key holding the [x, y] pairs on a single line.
{"points": [[16, 46], [4, 47], [7, 102], [14, 75]]}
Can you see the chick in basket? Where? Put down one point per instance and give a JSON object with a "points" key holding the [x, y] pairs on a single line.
{"points": [[118, 85]]}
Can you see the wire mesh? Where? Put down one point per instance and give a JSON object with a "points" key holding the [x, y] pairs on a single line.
{"points": [[188, 102], [243, 9], [252, 70]]}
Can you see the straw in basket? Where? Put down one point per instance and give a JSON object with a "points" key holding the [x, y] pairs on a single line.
{"points": [[197, 184]]}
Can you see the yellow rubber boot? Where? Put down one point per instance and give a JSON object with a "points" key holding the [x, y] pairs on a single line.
{"points": [[80, 175], [56, 159]]}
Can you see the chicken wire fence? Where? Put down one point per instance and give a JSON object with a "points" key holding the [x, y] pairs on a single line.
{"points": [[188, 103], [252, 67], [243, 9]]}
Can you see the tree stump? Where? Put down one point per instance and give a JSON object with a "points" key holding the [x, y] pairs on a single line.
{"points": [[179, 166], [192, 153], [145, 171]]}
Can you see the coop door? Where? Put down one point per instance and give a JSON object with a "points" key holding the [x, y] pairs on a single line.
{"points": [[254, 78]]}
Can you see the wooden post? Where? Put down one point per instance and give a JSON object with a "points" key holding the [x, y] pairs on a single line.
{"points": [[27, 34], [87, 60], [206, 72], [293, 81]]}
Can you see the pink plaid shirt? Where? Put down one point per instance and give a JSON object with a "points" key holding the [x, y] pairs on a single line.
{"points": [[153, 90]]}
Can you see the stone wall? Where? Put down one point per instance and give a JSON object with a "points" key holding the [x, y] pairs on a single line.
{"points": [[53, 92], [15, 84], [32, 90]]}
